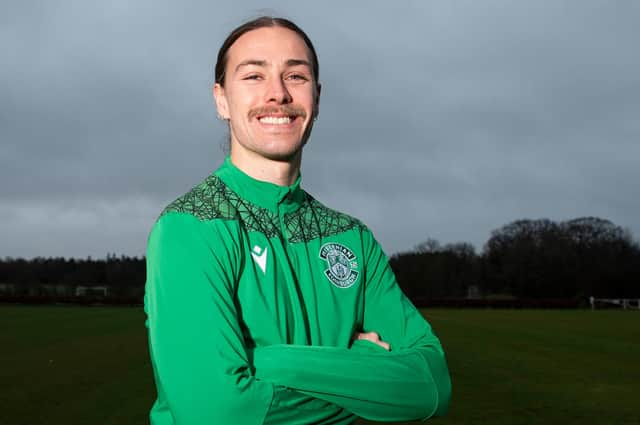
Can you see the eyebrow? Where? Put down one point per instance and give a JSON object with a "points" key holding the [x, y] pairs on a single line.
{"points": [[251, 62], [296, 62], [263, 63]]}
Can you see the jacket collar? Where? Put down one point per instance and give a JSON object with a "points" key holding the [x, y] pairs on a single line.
{"points": [[263, 194]]}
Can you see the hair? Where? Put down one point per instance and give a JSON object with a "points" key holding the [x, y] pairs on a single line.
{"points": [[254, 24]]}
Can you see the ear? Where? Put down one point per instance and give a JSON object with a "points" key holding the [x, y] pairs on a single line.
{"points": [[221, 101], [316, 105]]}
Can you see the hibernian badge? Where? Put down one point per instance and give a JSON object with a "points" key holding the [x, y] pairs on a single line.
{"points": [[342, 264]]}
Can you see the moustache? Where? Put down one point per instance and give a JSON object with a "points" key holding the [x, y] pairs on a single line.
{"points": [[289, 110]]}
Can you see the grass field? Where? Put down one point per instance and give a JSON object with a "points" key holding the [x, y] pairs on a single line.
{"points": [[78, 365]]}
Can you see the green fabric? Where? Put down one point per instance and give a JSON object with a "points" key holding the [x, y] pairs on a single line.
{"points": [[253, 293]]}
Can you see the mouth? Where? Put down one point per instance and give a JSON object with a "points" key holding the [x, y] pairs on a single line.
{"points": [[281, 116], [276, 119]]}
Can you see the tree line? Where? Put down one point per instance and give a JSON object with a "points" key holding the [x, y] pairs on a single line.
{"points": [[125, 276], [532, 259], [572, 259]]}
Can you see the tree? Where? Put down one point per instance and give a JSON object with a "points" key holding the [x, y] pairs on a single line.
{"points": [[579, 257]]}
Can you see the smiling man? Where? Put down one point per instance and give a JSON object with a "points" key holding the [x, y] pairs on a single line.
{"points": [[263, 305]]}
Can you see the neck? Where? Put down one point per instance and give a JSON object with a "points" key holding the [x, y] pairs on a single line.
{"points": [[279, 172]]}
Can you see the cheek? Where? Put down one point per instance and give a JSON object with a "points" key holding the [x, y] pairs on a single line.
{"points": [[236, 100]]}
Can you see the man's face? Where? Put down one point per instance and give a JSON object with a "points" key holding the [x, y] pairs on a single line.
{"points": [[269, 96]]}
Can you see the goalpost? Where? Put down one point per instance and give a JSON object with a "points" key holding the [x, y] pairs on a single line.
{"points": [[625, 303]]}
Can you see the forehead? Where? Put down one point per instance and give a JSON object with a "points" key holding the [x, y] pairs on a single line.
{"points": [[271, 44]]}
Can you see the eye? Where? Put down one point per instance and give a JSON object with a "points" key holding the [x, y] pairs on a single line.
{"points": [[252, 77], [297, 77]]}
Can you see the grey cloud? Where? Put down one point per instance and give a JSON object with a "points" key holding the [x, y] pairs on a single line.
{"points": [[438, 119]]}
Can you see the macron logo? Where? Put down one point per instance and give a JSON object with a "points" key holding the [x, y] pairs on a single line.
{"points": [[260, 257]]}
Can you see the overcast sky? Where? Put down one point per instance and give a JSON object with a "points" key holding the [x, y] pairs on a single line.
{"points": [[438, 119]]}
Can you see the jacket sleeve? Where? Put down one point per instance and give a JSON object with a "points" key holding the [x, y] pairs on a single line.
{"points": [[196, 345], [409, 382]]}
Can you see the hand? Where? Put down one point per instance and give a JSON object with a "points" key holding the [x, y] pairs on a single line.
{"points": [[373, 337]]}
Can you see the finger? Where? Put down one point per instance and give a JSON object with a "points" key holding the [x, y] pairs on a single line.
{"points": [[371, 336], [384, 345], [379, 343]]}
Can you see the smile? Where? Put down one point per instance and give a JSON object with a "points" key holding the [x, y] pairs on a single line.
{"points": [[275, 120]]}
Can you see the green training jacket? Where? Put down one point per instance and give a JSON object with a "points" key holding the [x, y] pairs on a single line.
{"points": [[253, 293]]}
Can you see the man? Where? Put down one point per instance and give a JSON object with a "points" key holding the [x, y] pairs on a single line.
{"points": [[263, 305]]}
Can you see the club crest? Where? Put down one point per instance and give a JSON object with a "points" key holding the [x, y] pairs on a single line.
{"points": [[342, 264]]}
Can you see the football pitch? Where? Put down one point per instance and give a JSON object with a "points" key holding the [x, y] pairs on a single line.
{"points": [[89, 365]]}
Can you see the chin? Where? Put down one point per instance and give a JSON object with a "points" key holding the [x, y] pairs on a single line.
{"points": [[282, 156], [279, 150]]}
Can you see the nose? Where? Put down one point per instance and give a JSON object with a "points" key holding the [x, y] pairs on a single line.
{"points": [[277, 92]]}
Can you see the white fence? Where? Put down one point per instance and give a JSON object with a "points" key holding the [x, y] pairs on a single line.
{"points": [[625, 303]]}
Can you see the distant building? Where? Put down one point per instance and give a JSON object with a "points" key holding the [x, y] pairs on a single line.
{"points": [[92, 291], [58, 290], [7, 288], [473, 292]]}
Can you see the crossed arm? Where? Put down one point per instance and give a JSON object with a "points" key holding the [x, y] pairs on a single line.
{"points": [[410, 381], [203, 371]]}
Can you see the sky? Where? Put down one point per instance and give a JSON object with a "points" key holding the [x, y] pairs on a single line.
{"points": [[438, 119]]}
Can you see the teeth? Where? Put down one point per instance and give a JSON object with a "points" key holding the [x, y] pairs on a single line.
{"points": [[275, 120]]}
